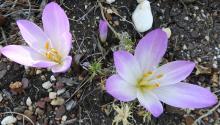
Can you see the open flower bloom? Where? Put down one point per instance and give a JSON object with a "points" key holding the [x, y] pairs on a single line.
{"points": [[139, 76], [103, 30], [48, 48]]}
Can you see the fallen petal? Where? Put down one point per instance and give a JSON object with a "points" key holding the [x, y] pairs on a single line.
{"points": [[142, 16]]}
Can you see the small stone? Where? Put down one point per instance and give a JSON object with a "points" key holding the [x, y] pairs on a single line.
{"points": [[52, 78], [189, 120], [61, 91], [57, 101], [64, 118], [52, 95], [28, 113], [109, 11], [47, 85], [28, 101], [207, 38], [41, 104], [70, 105], [25, 82], [39, 112], [38, 72], [60, 112], [8, 120], [1, 98], [2, 73], [186, 18], [167, 31], [110, 1]]}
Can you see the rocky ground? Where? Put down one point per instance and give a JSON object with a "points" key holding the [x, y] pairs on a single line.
{"points": [[78, 97]]}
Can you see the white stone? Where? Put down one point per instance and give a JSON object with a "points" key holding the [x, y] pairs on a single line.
{"points": [[52, 78], [57, 101], [28, 101], [61, 91], [110, 1], [8, 120], [52, 95], [1, 98], [47, 85], [142, 16], [38, 71], [167, 31], [64, 118]]}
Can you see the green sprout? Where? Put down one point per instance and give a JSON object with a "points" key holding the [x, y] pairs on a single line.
{"points": [[95, 68]]}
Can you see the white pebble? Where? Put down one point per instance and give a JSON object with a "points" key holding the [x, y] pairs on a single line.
{"points": [[64, 118], [142, 16], [57, 101], [52, 95], [8, 120], [52, 78], [110, 1], [38, 71], [28, 101], [167, 31], [61, 91], [47, 85], [1, 98]]}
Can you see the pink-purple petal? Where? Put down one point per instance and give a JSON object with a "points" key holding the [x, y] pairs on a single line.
{"points": [[120, 89], [174, 72], [150, 49], [66, 45], [103, 30], [26, 56], [32, 34], [150, 102], [59, 68], [127, 66], [55, 23], [185, 95]]}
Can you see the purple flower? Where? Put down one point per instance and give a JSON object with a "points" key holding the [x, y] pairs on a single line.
{"points": [[139, 76], [103, 30], [48, 48]]}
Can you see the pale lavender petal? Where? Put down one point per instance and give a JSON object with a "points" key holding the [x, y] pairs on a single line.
{"points": [[174, 72], [151, 49], [65, 47], [185, 95], [55, 23], [32, 34], [103, 30], [120, 89], [64, 66], [150, 102], [127, 67], [26, 56]]}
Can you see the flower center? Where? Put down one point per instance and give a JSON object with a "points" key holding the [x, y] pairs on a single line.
{"points": [[149, 81], [52, 54]]}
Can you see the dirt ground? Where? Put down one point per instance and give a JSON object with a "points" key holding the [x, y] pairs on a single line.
{"points": [[195, 26]]}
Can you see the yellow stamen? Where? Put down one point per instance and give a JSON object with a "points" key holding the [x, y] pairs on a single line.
{"points": [[52, 54], [159, 76], [47, 45], [148, 74]]}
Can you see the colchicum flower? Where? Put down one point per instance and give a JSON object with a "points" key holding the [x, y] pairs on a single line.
{"points": [[103, 30], [139, 76], [48, 48]]}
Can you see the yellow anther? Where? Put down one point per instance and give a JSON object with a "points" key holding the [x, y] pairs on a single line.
{"points": [[148, 74], [52, 54], [47, 45], [159, 76]]}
